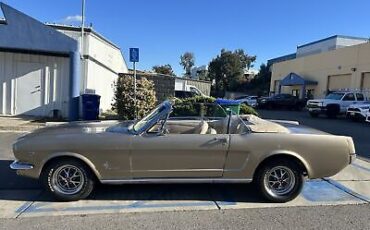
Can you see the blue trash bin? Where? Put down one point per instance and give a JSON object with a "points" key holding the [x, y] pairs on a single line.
{"points": [[90, 106], [233, 105]]}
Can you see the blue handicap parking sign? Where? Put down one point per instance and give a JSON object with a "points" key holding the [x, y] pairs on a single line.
{"points": [[134, 54]]}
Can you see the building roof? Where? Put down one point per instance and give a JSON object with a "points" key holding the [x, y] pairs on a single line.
{"points": [[21, 32], [333, 37], [78, 29], [294, 79], [282, 58]]}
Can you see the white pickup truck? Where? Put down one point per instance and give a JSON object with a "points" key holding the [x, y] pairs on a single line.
{"points": [[335, 103]]}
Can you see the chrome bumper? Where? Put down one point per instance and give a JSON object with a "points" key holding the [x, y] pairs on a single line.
{"points": [[16, 165], [316, 109]]}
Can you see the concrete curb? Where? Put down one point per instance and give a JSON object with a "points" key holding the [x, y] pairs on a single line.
{"points": [[24, 128]]}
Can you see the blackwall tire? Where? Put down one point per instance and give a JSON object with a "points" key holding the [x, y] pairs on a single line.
{"points": [[68, 180], [291, 182]]}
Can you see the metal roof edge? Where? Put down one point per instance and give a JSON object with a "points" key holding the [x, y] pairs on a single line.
{"points": [[86, 29], [331, 37]]}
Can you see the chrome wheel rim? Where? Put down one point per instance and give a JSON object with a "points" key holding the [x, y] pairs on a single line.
{"points": [[68, 180], [279, 180]]}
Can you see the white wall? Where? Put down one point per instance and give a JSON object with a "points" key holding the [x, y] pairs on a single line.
{"points": [[54, 82], [102, 81], [103, 62]]}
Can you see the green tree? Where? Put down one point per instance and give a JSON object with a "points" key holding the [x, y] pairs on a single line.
{"points": [[260, 85], [124, 97], [202, 74], [187, 61], [163, 69], [227, 70]]}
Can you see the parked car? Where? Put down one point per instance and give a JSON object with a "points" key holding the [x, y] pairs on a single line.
{"points": [[71, 159], [280, 101], [248, 100], [368, 116], [357, 112], [335, 103]]}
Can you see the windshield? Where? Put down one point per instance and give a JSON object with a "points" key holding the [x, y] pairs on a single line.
{"points": [[335, 96], [141, 123]]}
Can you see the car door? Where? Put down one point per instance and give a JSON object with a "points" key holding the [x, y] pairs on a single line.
{"points": [[178, 155], [347, 100]]}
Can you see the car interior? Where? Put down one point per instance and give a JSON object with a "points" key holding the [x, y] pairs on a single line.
{"points": [[202, 126]]}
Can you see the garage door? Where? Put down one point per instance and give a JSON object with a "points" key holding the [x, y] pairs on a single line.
{"points": [[28, 97], [336, 82], [365, 84]]}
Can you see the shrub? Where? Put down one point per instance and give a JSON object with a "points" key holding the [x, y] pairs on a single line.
{"points": [[245, 109], [124, 97], [193, 107]]}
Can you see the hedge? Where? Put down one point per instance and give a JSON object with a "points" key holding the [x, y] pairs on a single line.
{"points": [[193, 105]]}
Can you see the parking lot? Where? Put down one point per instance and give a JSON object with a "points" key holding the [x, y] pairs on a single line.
{"points": [[22, 197]]}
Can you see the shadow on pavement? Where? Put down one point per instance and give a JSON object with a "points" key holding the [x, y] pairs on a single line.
{"points": [[11, 181]]}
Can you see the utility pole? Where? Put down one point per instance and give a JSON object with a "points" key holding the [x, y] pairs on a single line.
{"points": [[82, 42]]}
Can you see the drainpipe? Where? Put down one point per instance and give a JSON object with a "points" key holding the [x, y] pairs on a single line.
{"points": [[74, 85], [303, 91]]}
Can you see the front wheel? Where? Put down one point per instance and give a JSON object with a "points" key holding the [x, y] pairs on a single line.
{"points": [[68, 180], [280, 181]]}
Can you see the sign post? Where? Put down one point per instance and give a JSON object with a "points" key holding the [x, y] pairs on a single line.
{"points": [[134, 57]]}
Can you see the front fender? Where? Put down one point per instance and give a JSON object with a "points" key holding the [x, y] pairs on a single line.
{"points": [[72, 155]]}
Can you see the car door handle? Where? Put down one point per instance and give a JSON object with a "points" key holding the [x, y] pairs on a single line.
{"points": [[223, 140]]}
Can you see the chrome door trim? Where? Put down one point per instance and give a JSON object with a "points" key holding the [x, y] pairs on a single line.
{"points": [[177, 181]]}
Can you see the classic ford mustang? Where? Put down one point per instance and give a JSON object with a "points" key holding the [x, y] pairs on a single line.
{"points": [[277, 155]]}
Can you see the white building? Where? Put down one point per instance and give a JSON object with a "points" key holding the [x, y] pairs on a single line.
{"points": [[41, 69], [102, 63]]}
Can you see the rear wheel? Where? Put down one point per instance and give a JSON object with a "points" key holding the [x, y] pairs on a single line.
{"points": [[280, 181], [68, 180]]}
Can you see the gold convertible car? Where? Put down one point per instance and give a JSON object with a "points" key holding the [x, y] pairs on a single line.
{"points": [[276, 155]]}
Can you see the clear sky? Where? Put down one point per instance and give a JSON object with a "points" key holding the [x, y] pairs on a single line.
{"points": [[164, 29]]}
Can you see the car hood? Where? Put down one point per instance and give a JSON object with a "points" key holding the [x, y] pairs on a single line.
{"points": [[81, 127]]}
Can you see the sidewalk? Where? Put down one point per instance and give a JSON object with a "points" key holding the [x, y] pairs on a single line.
{"points": [[20, 124]]}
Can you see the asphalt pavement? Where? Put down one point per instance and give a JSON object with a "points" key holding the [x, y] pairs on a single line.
{"points": [[320, 217]]}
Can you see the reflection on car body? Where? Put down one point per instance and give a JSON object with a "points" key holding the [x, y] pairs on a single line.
{"points": [[278, 156]]}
